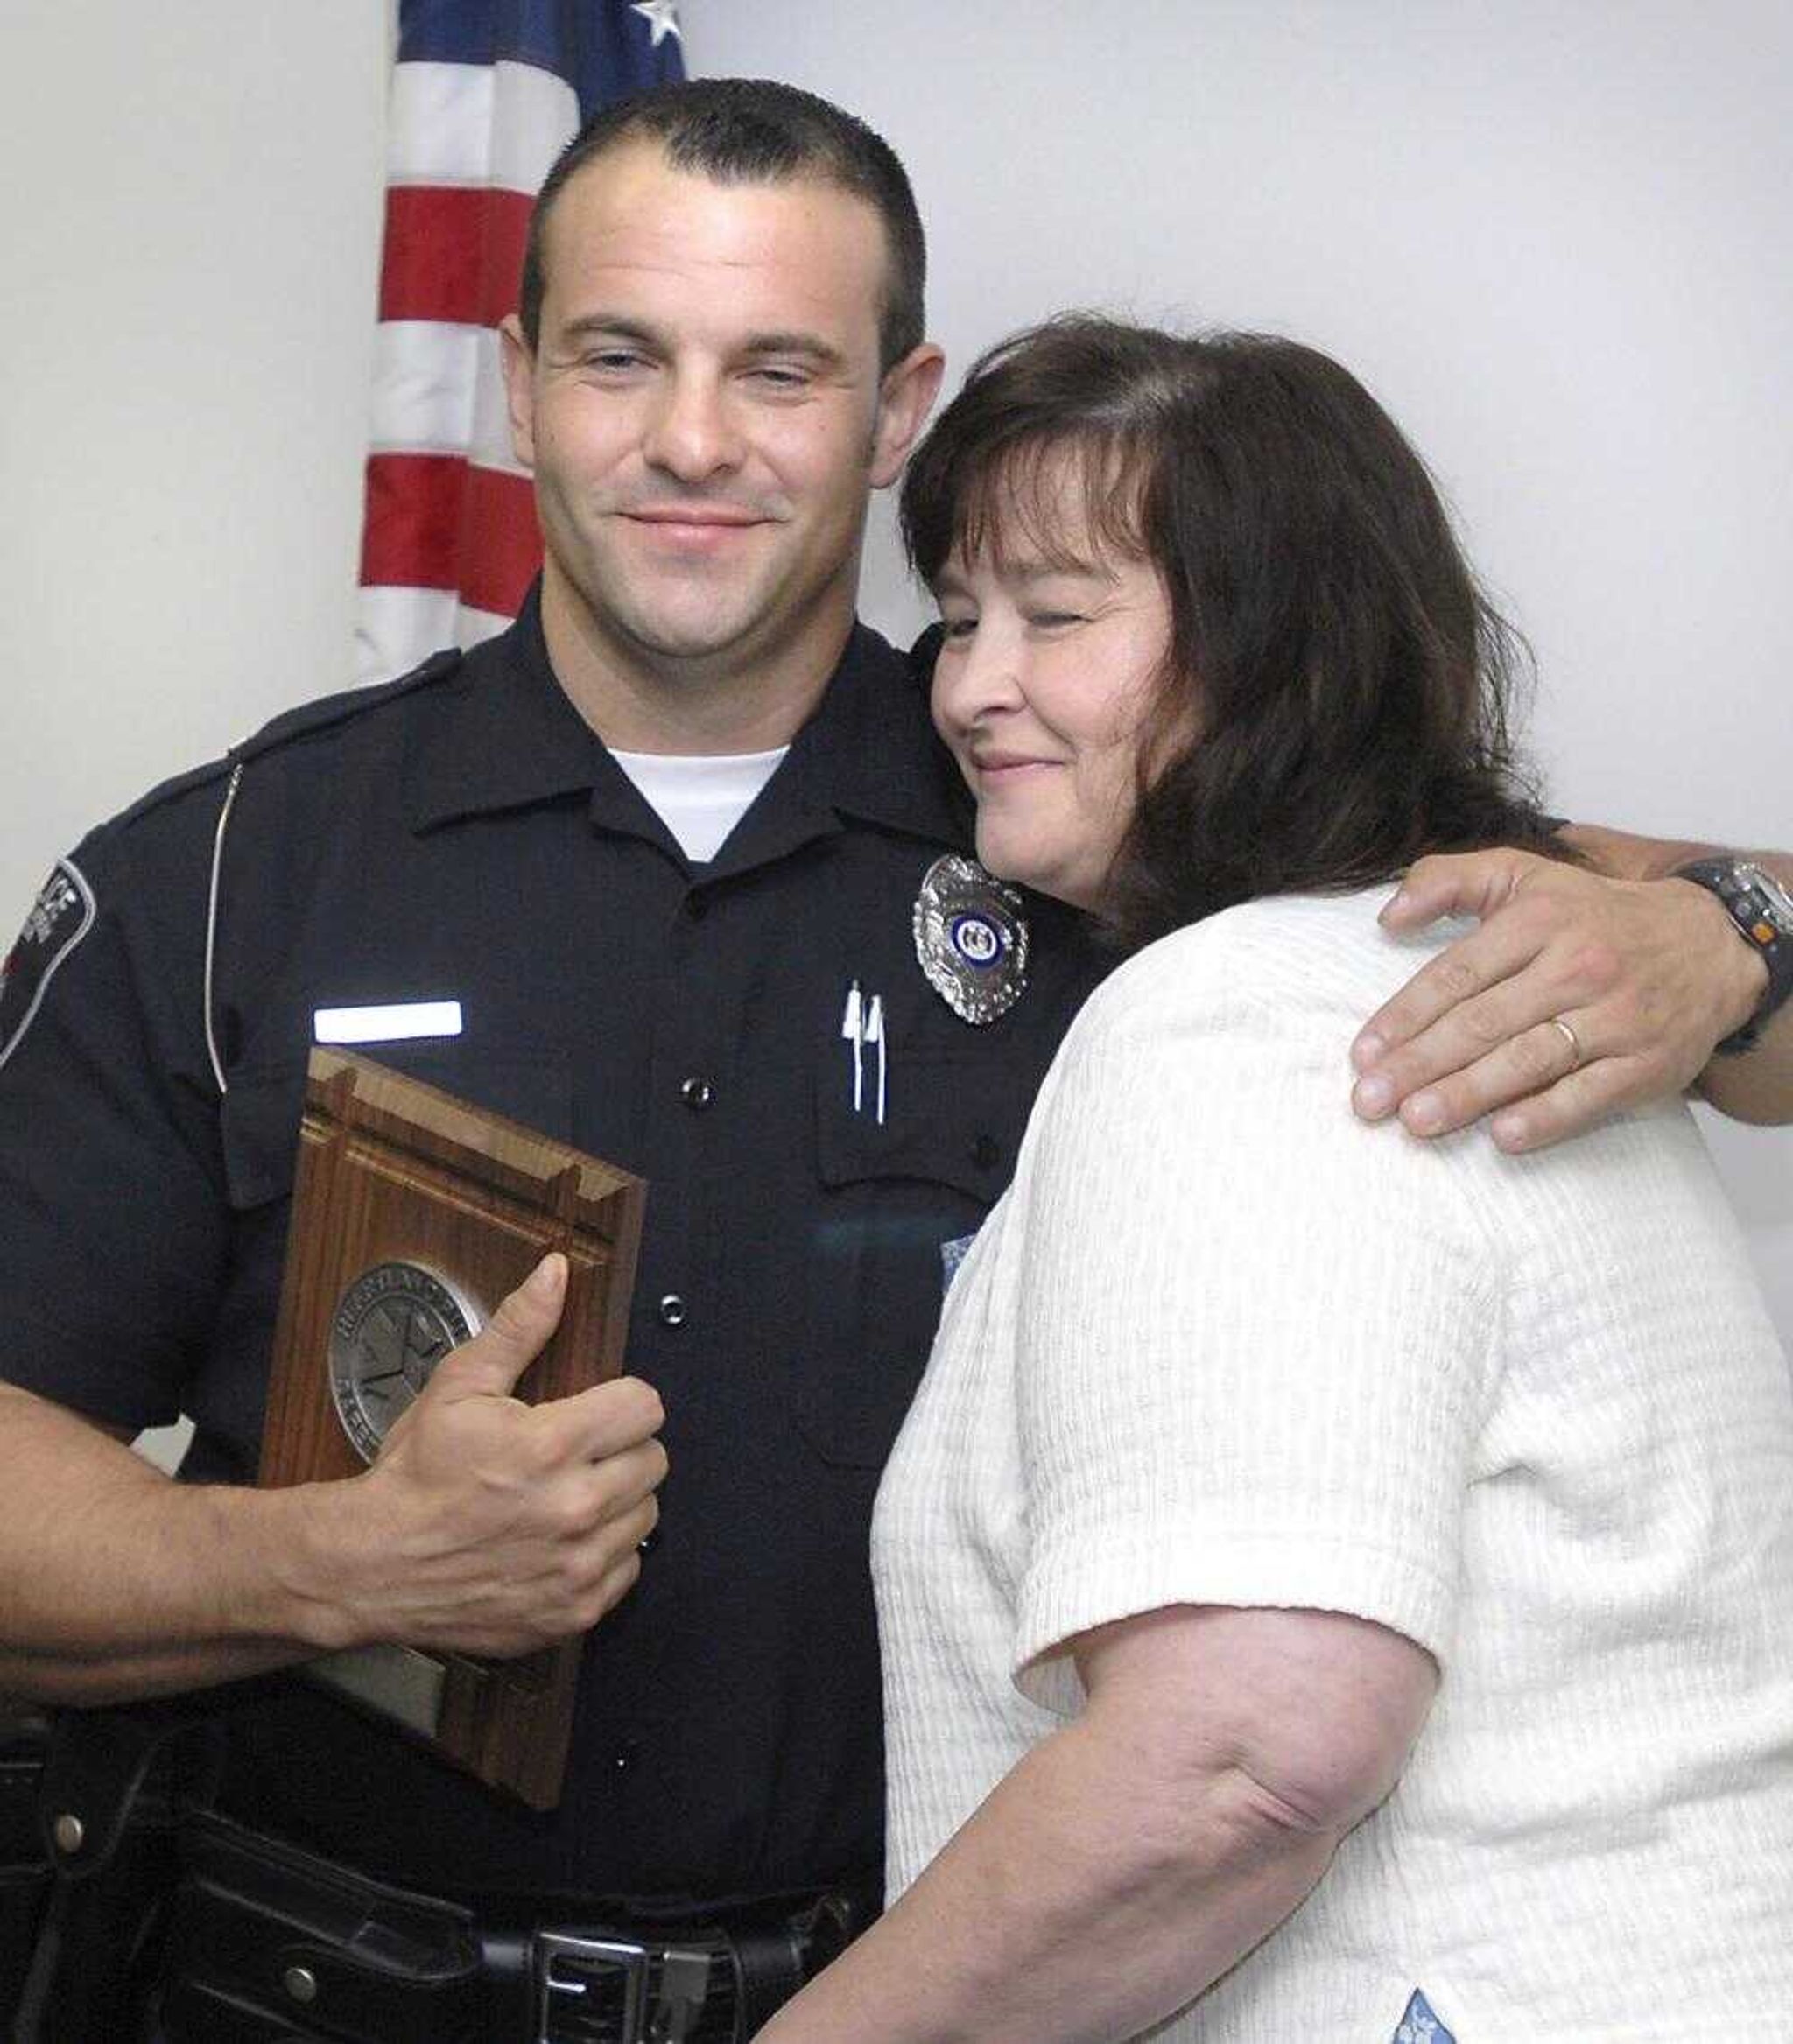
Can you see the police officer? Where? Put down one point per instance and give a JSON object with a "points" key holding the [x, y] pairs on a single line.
{"points": [[668, 870], [715, 982]]}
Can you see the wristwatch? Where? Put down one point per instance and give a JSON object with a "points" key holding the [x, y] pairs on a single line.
{"points": [[1762, 909]]}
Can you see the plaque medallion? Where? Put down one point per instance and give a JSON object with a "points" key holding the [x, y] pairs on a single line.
{"points": [[390, 1329]]}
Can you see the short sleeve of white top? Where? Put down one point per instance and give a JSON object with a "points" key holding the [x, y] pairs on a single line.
{"points": [[1224, 1343]]}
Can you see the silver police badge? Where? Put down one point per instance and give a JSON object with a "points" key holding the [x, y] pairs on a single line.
{"points": [[392, 1326], [971, 939]]}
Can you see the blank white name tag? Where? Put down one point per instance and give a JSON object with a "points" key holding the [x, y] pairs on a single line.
{"points": [[398, 1022]]}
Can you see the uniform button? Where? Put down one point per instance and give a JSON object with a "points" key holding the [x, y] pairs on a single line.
{"points": [[671, 1310], [697, 1093], [696, 908], [985, 1152], [626, 1755]]}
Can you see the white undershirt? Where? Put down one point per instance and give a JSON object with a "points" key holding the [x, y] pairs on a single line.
{"points": [[700, 799]]}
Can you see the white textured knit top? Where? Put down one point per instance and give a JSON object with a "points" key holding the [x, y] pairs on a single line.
{"points": [[1222, 1342]]}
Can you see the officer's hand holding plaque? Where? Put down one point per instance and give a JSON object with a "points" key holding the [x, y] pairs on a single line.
{"points": [[414, 1214]]}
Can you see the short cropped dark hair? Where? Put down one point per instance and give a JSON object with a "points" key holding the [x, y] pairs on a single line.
{"points": [[1334, 700], [754, 131]]}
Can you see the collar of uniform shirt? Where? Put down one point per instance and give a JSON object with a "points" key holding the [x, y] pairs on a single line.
{"points": [[513, 738]]}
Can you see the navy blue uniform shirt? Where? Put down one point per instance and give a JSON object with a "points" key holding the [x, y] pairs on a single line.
{"points": [[462, 835]]}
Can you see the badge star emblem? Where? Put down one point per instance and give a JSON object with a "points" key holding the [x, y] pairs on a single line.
{"points": [[662, 17]]}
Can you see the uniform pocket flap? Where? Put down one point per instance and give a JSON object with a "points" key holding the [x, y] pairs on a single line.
{"points": [[945, 1127]]}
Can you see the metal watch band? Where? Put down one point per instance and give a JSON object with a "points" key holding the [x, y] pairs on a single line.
{"points": [[1762, 913]]}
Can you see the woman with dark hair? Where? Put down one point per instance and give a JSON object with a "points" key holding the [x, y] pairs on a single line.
{"points": [[1334, 1586]]}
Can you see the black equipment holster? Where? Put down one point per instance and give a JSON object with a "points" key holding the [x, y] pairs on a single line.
{"points": [[267, 1944], [129, 1908], [107, 1789]]}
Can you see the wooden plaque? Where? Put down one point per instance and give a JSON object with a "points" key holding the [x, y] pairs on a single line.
{"points": [[413, 1214]]}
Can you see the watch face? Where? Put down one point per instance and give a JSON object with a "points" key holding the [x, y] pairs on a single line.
{"points": [[1777, 903], [391, 1327]]}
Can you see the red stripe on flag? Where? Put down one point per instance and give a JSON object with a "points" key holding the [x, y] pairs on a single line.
{"points": [[453, 253], [502, 544], [440, 522]]}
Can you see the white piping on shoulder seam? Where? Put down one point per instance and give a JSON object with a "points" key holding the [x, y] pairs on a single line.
{"points": [[212, 926]]}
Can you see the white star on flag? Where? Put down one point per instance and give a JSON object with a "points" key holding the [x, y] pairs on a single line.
{"points": [[661, 15]]}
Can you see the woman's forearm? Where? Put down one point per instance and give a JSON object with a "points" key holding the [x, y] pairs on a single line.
{"points": [[1089, 1897]]}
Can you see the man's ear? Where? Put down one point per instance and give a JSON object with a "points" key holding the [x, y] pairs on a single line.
{"points": [[906, 397], [519, 388]]}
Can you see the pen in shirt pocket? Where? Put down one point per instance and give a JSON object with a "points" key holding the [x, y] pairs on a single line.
{"points": [[862, 1027]]}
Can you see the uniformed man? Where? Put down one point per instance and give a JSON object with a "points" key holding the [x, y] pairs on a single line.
{"points": [[669, 871]]}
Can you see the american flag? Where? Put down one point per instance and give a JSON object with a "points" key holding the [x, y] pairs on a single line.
{"points": [[485, 96]]}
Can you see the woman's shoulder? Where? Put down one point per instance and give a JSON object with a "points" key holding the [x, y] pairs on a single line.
{"points": [[1293, 955]]}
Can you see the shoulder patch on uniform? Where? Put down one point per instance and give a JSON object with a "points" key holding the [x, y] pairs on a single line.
{"points": [[338, 708], [61, 916]]}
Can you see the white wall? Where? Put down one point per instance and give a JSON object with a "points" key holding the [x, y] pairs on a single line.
{"points": [[190, 204], [1551, 234]]}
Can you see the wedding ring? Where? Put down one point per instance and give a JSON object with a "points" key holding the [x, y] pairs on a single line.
{"points": [[1570, 1038]]}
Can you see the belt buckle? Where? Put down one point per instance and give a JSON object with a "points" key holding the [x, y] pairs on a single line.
{"points": [[596, 1990]]}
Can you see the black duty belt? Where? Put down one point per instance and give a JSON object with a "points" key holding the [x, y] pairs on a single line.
{"points": [[288, 1946], [710, 1984], [139, 1913]]}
